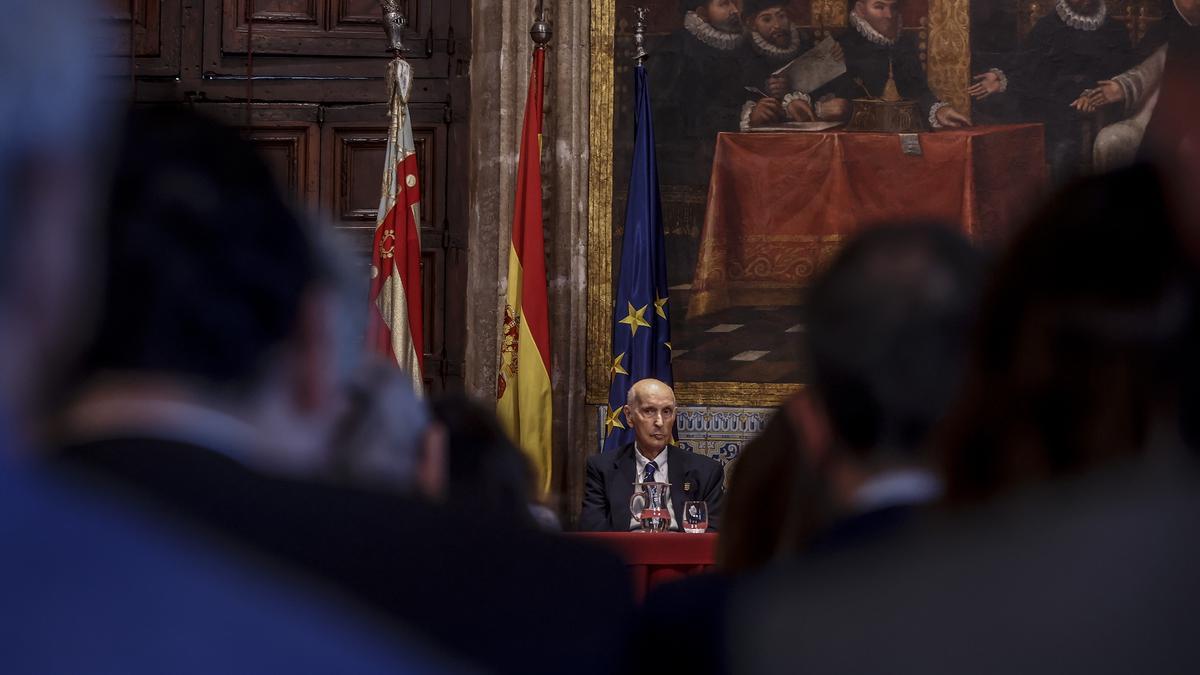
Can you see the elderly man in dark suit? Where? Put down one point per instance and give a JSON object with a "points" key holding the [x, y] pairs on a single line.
{"points": [[218, 350], [650, 409]]}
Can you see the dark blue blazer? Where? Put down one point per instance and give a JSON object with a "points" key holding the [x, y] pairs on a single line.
{"points": [[610, 477]]}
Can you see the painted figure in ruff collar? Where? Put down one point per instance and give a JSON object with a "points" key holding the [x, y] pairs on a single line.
{"points": [[772, 40], [696, 88], [874, 41], [1065, 54]]}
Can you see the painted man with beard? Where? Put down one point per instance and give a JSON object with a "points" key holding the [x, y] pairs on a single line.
{"points": [[696, 88], [772, 41], [872, 43], [1066, 52]]}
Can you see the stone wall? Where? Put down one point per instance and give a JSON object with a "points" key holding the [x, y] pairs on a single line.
{"points": [[499, 81]]}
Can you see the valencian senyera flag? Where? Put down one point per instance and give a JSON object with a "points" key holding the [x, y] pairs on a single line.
{"points": [[396, 314], [641, 339], [523, 385]]}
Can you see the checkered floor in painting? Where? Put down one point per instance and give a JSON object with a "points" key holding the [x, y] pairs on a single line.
{"points": [[740, 344]]}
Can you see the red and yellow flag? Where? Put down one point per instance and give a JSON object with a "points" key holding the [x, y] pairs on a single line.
{"points": [[523, 385], [396, 320]]}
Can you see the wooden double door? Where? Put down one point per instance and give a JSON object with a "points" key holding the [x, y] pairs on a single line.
{"points": [[305, 78]]}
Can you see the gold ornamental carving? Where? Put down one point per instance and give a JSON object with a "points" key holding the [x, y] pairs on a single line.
{"points": [[600, 193], [949, 68]]}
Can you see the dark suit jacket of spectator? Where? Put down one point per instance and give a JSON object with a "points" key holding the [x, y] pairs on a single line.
{"points": [[610, 478], [508, 598]]}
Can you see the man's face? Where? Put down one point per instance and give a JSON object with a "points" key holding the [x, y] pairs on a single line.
{"points": [[652, 416], [1084, 6], [882, 15], [774, 25], [723, 15]]}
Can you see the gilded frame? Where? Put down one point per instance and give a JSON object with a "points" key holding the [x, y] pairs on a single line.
{"points": [[949, 62]]}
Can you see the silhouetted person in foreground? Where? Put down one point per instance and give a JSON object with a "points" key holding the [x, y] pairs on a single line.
{"points": [[485, 470], [212, 389], [387, 437], [847, 461], [1073, 548], [91, 580]]}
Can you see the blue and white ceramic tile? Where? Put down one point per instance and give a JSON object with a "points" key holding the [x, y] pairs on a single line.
{"points": [[718, 432]]}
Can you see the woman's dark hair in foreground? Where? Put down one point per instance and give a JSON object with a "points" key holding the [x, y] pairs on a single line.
{"points": [[1079, 336], [486, 470]]}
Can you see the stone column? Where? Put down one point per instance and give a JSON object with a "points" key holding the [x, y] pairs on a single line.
{"points": [[499, 79]]}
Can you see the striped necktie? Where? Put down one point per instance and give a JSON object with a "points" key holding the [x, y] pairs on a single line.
{"points": [[649, 471]]}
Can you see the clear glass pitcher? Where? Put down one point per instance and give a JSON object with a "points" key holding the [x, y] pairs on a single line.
{"points": [[649, 505]]}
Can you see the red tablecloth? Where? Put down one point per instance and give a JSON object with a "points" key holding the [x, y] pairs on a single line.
{"points": [[655, 558], [779, 203]]}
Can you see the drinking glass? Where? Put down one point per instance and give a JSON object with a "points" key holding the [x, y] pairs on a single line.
{"points": [[695, 517]]}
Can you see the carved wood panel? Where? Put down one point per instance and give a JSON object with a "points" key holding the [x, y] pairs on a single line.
{"points": [[154, 41], [318, 27], [348, 14], [316, 49], [293, 153], [317, 116], [289, 138], [352, 187], [354, 146]]}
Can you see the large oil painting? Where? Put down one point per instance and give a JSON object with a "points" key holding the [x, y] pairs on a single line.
{"points": [[784, 126]]}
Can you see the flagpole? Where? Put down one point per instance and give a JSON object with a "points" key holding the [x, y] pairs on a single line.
{"points": [[397, 315], [641, 344], [540, 32], [395, 20], [524, 393], [639, 35]]}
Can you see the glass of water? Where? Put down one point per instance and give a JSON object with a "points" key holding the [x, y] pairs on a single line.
{"points": [[695, 517]]}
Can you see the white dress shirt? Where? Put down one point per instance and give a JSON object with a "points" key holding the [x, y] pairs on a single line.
{"points": [[898, 487], [660, 476]]}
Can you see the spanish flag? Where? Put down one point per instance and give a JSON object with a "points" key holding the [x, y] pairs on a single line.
{"points": [[396, 320], [523, 384]]}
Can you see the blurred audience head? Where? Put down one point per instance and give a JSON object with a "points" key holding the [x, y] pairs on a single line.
{"points": [[55, 121], [387, 436], [486, 470], [888, 324], [776, 500], [1076, 349], [886, 343], [217, 292]]}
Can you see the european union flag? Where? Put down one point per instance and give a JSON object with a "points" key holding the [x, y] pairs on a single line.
{"points": [[641, 314]]}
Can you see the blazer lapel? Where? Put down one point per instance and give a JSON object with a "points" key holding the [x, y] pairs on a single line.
{"points": [[676, 476], [620, 489]]}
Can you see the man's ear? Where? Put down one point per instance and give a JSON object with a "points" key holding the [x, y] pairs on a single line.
{"points": [[808, 417], [627, 411], [432, 470], [314, 353]]}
